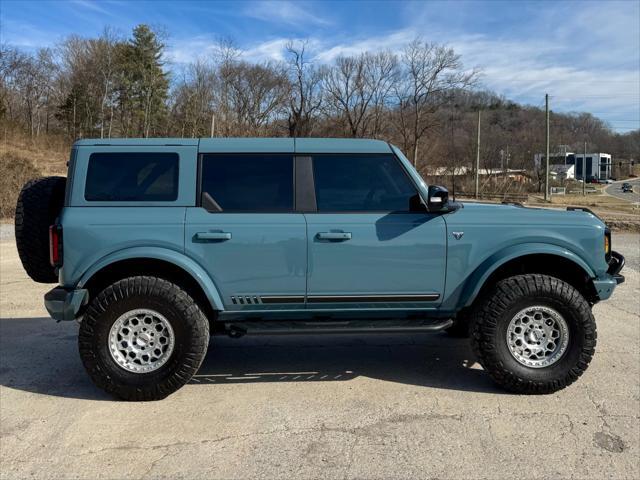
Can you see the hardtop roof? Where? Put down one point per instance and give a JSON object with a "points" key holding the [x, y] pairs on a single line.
{"points": [[250, 145]]}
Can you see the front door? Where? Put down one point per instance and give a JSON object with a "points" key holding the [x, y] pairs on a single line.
{"points": [[369, 246], [246, 233]]}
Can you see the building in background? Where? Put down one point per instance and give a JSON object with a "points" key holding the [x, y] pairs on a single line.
{"points": [[597, 165], [561, 158], [562, 172]]}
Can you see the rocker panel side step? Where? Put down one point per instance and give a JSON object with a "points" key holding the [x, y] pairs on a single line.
{"points": [[301, 327]]}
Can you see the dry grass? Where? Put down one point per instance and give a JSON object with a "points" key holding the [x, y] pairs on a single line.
{"points": [[593, 200], [618, 214], [47, 153], [15, 171], [23, 158]]}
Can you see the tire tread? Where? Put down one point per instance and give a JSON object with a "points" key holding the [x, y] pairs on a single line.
{"points": [[38, 205], [505, 293], [190, 361]]}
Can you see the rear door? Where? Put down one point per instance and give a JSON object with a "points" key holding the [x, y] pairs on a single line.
{"points": [[370, 245], [246, 233]]}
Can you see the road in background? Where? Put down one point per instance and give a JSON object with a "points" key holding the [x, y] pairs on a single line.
{"points": [[377, 405], [615, 190]]}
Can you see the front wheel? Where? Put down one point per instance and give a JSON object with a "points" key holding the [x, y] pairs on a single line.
{"points": [[143, 338], [533, 334]]}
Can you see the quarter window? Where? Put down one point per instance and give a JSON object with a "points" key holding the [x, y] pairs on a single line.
{"points": [[132, 177], [248, 182], [360, 183]]}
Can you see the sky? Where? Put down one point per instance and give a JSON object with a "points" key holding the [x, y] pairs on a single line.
{"points": [[584, 54]]}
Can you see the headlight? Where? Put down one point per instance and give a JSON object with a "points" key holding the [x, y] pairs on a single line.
{"points": [[607, 244]]}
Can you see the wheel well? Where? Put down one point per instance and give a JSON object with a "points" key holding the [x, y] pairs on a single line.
{"points": [[153, 268], [545, 264]]}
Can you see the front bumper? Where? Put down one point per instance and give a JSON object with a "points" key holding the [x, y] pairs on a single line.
{"points": [[616, 263], [606, 283], [63, 304]]}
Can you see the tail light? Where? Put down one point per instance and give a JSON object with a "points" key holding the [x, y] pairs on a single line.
{"points": [[607, 244], [55, 245]]}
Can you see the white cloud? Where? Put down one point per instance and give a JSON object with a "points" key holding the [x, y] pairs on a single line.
{"points": [[191, 49], [94, 7], [269, 50], [285, 12], [394, 41]]}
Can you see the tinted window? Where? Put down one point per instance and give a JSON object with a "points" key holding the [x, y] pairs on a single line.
{"points": [[249, 182], [361, 183], [132, 177]]}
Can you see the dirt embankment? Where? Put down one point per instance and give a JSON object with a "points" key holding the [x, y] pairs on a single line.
{"points": [[23, 158]]}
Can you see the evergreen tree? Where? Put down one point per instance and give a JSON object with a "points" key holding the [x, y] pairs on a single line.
{"points": [[144, 84]]}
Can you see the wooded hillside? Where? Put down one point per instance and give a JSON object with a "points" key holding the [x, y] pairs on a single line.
{"points": [[423, 99]]}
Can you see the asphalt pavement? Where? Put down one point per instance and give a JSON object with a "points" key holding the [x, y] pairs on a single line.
{"points": [[615, 190], [359, 406]]}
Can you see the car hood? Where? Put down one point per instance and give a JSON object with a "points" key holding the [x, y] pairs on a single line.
{"points": [[517, 214]]}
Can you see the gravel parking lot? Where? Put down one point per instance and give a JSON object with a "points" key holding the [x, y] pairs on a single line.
{"points": [[309, 407]]}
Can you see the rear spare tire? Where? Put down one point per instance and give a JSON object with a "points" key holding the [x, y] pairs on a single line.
{"points": [[39, 203]]}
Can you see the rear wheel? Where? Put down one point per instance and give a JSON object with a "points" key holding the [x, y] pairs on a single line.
{"points": [[38, 206], [143, 338], [533, 334]]}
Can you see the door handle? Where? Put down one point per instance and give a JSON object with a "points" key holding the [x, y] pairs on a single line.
{"points": [[334, 236], [213, 236]]}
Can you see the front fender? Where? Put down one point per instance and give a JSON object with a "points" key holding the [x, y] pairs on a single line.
{"points": [[171, 256], [480, 275]]}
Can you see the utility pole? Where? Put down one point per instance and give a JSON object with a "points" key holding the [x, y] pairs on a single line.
{"points": [[478, 158], [213, 124], [584, 164], [546, 159], [507, 163]]}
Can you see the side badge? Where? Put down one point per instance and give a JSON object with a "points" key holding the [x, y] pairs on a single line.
{"points": [[457, 235]]}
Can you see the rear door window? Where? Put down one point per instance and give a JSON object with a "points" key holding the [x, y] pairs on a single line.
{"points": [[361, 183], [248, 182], [132, 177]]}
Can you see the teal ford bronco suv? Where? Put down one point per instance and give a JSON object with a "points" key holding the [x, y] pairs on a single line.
{"points": [[156, 244]]}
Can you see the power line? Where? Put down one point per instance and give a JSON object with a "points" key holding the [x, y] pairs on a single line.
{"points": [[583, 97], [603, 82]]}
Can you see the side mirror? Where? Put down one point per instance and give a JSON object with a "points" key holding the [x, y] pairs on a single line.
{"points": [[438, 198]]}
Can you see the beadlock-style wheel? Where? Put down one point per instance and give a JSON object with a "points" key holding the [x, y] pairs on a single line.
{"points": [[141, 341], [537, 336]]}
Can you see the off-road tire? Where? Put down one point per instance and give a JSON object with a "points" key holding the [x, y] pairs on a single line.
{"points": [[39, 203], [189, 324], [491, 318]]}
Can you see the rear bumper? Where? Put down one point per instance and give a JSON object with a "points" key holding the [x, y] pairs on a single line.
{"points": [[63, 304], [605, 284]]}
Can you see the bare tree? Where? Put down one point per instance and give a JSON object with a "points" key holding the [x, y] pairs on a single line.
{"points": [[258, 92], [225, 56], [103, 50], [30, 76], [305, 97], [196, 98], [354, 84], [430, 73]]}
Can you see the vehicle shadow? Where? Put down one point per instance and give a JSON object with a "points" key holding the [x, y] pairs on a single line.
{"points": [[37, 355]]}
